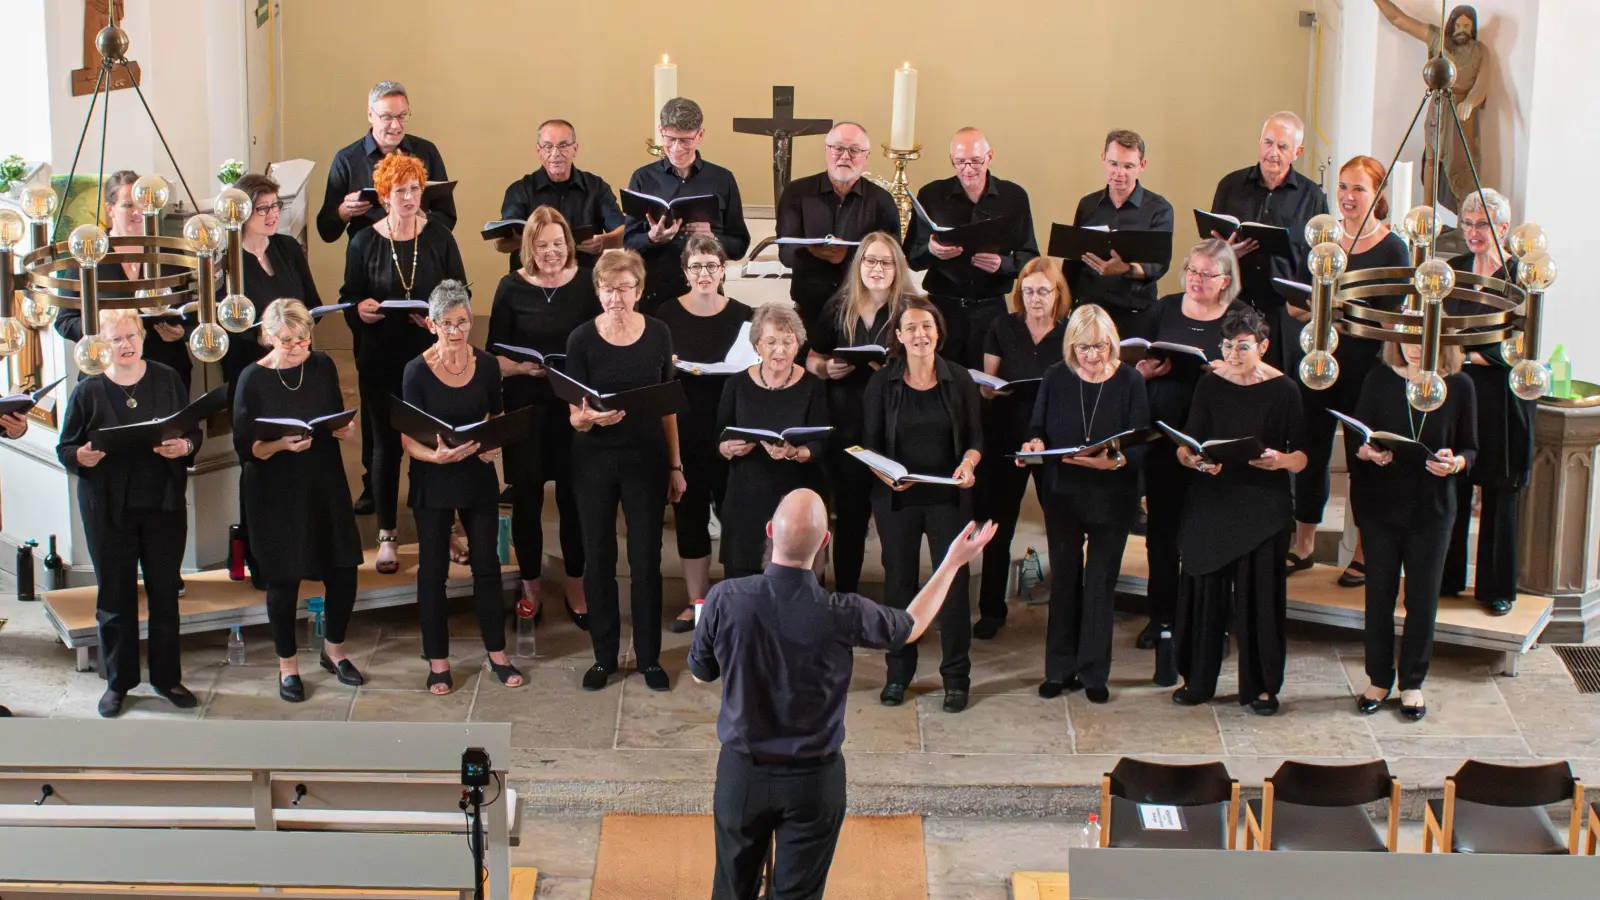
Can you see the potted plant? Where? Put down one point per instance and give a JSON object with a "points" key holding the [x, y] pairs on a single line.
{"points": [[12, 171], [231, 170]]}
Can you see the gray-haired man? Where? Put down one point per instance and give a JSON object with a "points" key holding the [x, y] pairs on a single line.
{"points": [[343, 210]]}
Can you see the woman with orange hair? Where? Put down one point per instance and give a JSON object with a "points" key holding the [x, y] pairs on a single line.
{"points": [[399, 258]]}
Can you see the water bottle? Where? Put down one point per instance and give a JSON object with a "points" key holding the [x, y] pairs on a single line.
{"points": [[314, 633], [235, 647], [503, 541], [1089, 836], [1029, 575], [1560, 373], [1166, 660], [235, 553], [527, 641], [25, 570]]}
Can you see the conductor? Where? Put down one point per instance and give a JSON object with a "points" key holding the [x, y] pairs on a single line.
{"points": [[785, 646]]}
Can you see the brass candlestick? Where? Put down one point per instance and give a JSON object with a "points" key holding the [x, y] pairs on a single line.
{"points": [[653, 148], [899, 189]]}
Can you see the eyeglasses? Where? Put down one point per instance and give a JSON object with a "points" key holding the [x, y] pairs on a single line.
{"points": [[292, 343], [387, 119], [974, 163], [843, 150], [1205, 277], [126, 341], [563, 148], [703, 268], [1478, 225], [876, 263], [266, 208], [777, 343], [460, 326], [1043, 293], [1099, 348], [410, 190], [668, 140], [1242, 347], [619, 288]]}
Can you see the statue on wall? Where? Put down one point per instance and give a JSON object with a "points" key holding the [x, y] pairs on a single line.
{"points": [[97, 14], [1457, 40]]}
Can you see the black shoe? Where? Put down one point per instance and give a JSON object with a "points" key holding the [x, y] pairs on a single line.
{"points": [[987, 628], [1299, 563], [1096, 694], [892, 695], [1354, 575], [1414, 713], [1141, 524], [292, 689], [1182, 697], [5, 713], [345, 670], [580, 619], [179, 696], [1367, 706], [182, 587], [257, 582], [507, 495], [681, 626], [655, 678], [1050, 690], [364, 505], [111, 704], [1497, 607], [1148, 637], [594, 678], [955, 700], [1266, 707]]}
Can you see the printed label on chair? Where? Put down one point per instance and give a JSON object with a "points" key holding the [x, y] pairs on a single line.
{"points": [[1158, 817]]}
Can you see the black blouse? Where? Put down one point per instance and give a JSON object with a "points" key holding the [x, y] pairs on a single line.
{"points": [[290, 279], [608, 368], [472, 481], [172, 354], [1505, 421], [526, 315], [1020, 357], [1357, 356], [1071, 412], [1170, 393], [1405, 496], [926, 431], [845, 396], [371, 272], [702, 339]]}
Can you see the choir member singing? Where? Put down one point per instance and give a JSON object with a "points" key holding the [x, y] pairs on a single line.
{"points": [[1376, 247], [1092, 497], [1236, 519], [1190, 319], [1020, 346], [1405, 506], [860, 315], [634, 462], [168, 345], [134, 511], [1505, 427], [970, 288], [537, 308], [294, 492], [682, 173], [1125, 290], [836, 202], [457, 384], [353, 167], [704, 325], [774, 395], [922, 410], [403, 257], [275, 268], [583, 198]]}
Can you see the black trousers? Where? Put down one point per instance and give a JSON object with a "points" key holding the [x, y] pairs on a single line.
{"points": [[967, 321], [1132, 322], [901, 532], [1419, 552], [636, 479], [705, 473], [997, 498], [852, 509], [283, 601], [1166, 484], [550, 461], [377, 387], [366, 421], [800, 804], [1250, 595], [1082, 591], [1495, 571], [1311, 483], [481, 524], [153, 542]]}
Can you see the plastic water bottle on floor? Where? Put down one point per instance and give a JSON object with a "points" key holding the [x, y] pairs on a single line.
{"points": [[1089, 836], [235, 647], [315, 638], [527, 641]]}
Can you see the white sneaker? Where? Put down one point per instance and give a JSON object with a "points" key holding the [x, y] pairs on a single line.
{"points": [[715, 527]]}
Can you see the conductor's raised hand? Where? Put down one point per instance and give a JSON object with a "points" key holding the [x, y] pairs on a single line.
{"points": [[969, 543], [943, 251], [369, 311], [88, 456], [173, 448], [661, 233]]}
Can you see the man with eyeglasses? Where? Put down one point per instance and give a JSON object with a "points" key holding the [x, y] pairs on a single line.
{"points": [[583, 198], [969, 288], [681, 172], [838, 202], [343, 211], [1125, 290]]}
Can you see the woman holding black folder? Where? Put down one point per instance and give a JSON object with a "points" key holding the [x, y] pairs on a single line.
{"points": [[294, 492], [458, 384], [133, 508], [1235, 523], [275, 268], [704, 324], [1405, 506], [399, 258], [860, 314], [536, 308], [617, 459], [1092, 498], [922, 411]]}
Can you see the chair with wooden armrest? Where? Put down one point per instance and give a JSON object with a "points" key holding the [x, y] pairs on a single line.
{"points": [[1205, 795], [1489, 808], [1305, 806]]}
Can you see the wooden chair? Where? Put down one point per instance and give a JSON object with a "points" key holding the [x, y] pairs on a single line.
{"points": [[1305, 806], [1206, 796], [1594, 826], [1490, 808]]}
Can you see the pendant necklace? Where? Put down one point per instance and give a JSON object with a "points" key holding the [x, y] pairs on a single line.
{"points": [[132, 403], [1083, 408], [446, 366], [400, 273]]}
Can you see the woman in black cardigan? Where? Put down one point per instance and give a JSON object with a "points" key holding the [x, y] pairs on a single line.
{"points": [[923, 411], [134, 510], [275, 268]]}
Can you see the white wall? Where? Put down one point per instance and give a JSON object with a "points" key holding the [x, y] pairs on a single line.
{"points": [[25, 128]]}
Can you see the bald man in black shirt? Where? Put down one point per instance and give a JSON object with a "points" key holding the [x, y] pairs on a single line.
{"points": [[785, 645]]}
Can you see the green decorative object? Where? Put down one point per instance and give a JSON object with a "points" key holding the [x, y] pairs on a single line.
{"points": [[231, 170], [80, 206], [12, 169]]}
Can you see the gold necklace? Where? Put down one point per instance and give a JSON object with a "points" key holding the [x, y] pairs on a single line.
{"points": [[297, 384], [446, 366], [132, 403], [396, 257]]}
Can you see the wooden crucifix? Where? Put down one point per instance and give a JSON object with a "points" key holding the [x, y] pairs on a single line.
{"points": [[97, 14], [784, 128]]}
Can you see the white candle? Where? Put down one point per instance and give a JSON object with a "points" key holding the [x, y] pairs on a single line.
{"points": [[666, 89], [903, 123], [1400, 190]]}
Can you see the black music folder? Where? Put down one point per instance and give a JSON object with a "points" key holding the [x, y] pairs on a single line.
{"points": [[490, 433], [697, 208], [23, 403], [272, 429], [1222, 451], [1274, 241], [664, 399], [1071, 242], [146, 435], [996, 235]]}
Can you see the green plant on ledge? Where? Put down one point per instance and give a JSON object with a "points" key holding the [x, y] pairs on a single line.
{"points": [[14, 168], [232, 170]]}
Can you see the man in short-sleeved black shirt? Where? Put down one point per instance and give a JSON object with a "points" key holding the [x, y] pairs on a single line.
{"points": [[782, 646], [388, 112], [583, 198]]}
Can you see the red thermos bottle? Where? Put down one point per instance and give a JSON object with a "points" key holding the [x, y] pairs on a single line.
{"points": [[236, 552]]}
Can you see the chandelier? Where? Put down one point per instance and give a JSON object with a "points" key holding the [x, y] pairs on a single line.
{"points": [[1341, 301], [65, 273]]}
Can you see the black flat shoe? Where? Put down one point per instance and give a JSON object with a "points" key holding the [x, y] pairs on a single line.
{"points": [[179, 696], [680, 626], [580, 619], [1050, 690], [1353, 576], [655, 678], [1299, 563], [1096, 694], [344, 670], [110, 705], [892, 695], [1497, 607], [292, 689], [364, 506], [1367, 706], [1414, 713], [1267, 707], [594, 677], [955, 700], [987, 628], [1148, 637], [506, 672], [1182, 697]]}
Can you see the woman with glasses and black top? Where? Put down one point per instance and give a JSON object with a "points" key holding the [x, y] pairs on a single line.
{"points": [[862, 313], [1092, 499], [704, 325], [538, 306], [617, 459], [1236, 522], [923, 411], [1019, 346], [398, 258]]}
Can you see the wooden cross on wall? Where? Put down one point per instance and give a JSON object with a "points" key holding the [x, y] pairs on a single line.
{"points": [[783, 127], [97, 14]]}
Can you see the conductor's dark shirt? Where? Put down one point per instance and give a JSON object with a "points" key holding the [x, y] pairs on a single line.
{"points": [[784, 645]]}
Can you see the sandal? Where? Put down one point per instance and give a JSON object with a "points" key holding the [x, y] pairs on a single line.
{"points": [[1299, 563], [440, 678], [393, 566], [506, 672], [1354, 575]]}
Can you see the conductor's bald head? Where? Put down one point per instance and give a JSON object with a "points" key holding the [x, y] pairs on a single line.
{"points": [[799, 528]]}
